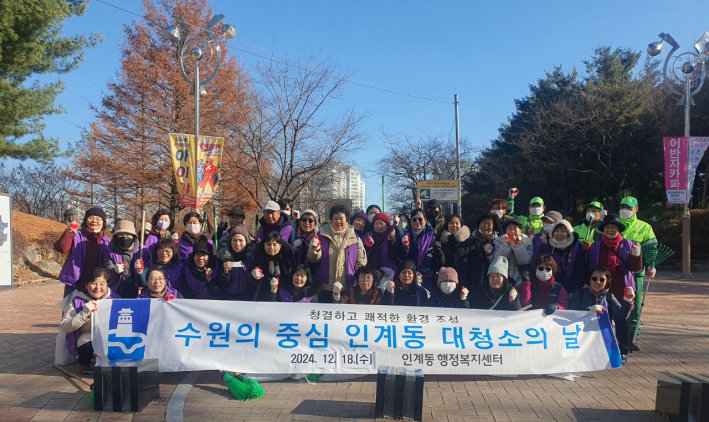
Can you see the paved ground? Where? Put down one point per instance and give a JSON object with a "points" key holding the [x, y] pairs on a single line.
{"points": [[32, 390]]}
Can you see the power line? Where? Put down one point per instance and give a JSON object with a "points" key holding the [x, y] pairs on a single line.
{"points": [[120, 8]]}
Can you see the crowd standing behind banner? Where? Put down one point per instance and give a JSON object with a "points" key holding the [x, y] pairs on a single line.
{"points": [[506, 262]]}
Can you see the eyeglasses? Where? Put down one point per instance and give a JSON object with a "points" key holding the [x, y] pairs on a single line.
{"points": [[165, 251], [307, 220], [366, 277], [543, 268], [156, 279], [417, 220], [602, 279]]}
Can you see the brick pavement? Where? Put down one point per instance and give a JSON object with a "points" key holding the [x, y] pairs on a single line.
{"points": [[31, 389]]}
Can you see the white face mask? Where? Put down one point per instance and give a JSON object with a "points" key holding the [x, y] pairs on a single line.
{"points": [[498, 213], [626, 213], [543, 275], [370, 217], [163, 225], [591, 217], [285, 212], [193, 228], [448, 287], [536, 210], [548, 227]]}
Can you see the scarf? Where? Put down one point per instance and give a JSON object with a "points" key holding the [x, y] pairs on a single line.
{"points": [[359, 298], [337, 236], [613, 246], [162, 234], [482, 239], [375, 257], [561, 245], [267, 228], [540, 294], [416, 234]]}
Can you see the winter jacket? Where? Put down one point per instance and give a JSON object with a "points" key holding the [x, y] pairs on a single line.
{"points": [[557, 295], [278, 266], [585, 298], [338, 263], [78, 249], [518, 257], [420, 251], [461, 252], [385, 251], [112, 254], [485, 298], [186, 246], [76, 319], [415, 295], [640, 232], [439, 299], [570, 263], [286, 292], [534, 221], [582, 231], [193, 282], [598, 256], [374, 296], [232, 285], [283, 226]]}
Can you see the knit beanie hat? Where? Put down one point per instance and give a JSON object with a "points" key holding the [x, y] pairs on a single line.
{"points": [[240, 229], [381, 216], [447, 274], [313, 213], [499, 265], [358, 214], [95, 210], [554, 216], [406, 265], [201, 244]]}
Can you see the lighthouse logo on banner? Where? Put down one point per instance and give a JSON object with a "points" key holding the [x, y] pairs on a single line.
{"points": [[128, 329]]}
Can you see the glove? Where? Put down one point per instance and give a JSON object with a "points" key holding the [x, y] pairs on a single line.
{"points": [[636, 250], [437, 245], [297, 244], [391, 235], [405, 240], [274, 285], [369, 241], [598, 309], [74, 226], [148, 226], [139, 265], [90, 307], [488, 248], [169, 297], [175, 237], [336, 289], [586, 245], [256, 273], [551, 308], [463, 293], [628, 294], [419, 278], [296, 214], [315, 243], [120, 267], [513, 192], [513, 294], [651, 272], [395, 220], [604, 213], [389, 285]]}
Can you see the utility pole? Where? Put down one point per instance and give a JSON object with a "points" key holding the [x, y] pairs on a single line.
{"points": [[457, 166], [383, 200]]}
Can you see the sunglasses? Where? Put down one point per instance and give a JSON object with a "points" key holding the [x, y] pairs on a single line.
{"points": [[602, 279], [307, 220], [543, 268], [417, 220]]}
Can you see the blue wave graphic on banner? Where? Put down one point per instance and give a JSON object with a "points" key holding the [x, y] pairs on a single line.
{"points": [[604, 323], [128, 329]]}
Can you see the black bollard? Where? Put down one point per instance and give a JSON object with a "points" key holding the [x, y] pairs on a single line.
{"points": [[399, 393], [682, 397], [126, 386]]}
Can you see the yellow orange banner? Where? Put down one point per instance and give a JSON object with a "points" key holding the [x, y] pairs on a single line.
{"points": [[196, 182]]}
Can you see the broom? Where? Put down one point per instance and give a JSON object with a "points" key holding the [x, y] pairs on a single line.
{"points": [[242, 387], [651, 258]]}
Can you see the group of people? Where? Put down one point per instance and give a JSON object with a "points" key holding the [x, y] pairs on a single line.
{"points": [[504, 262]]}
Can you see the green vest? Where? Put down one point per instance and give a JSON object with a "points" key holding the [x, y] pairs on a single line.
{"points": [[582, 231], [534, 220], [640, 232]]}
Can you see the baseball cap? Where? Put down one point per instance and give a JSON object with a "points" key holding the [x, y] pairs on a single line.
{"points": [[536, 200], [629, 201], [594, 204]]}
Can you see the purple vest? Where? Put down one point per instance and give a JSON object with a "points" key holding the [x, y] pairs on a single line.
{"points": [[198, 287], [288, 297], [323, 273], [386, 261], [73, 337], [285, 233], [186, 248], [424, 243], [564, 260], [114, 282], [237, 277], [150, 243], [623, 251], [74, 264], [145, 294]]}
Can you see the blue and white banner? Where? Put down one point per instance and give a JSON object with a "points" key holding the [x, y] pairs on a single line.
{"points": [[263, 338]]}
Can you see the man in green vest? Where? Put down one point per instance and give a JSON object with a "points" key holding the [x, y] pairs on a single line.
{"points": [[534, 224], [640, 232], [587, 231]]}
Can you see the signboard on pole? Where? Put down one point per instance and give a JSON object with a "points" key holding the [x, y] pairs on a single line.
{"points": [[697, 147], [196, 182], [676, 176], [5, 241], [441, 190]]}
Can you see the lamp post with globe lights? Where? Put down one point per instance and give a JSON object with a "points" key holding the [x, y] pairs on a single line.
{"points": [[685, 79]]}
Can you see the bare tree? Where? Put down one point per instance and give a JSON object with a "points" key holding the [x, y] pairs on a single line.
{"points": [[41, 190], [290, 137]]}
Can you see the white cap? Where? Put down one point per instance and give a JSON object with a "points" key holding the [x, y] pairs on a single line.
{"points": [[271, 206], [499, 265]]}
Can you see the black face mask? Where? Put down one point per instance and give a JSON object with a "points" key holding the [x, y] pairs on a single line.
{"points": [[432, 215], [124, 242]]}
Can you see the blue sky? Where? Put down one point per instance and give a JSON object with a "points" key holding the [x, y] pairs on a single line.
{"points": [[486, 52]]}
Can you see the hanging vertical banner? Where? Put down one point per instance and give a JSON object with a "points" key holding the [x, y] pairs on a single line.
{"points": [[196, 182], [676, 176], [697, 147]]}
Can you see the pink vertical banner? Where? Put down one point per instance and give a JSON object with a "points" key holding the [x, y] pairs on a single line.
{"points": [[676, 176]]}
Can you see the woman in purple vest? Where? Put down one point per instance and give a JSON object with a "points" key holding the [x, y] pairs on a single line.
{"points": [[193, 230], [417, 246], [340, 253], [117, 256], [82, 247], [382, 244], [274, 259], [197, 273], [563, 245], [298, 287], [161, 226], [307, 229], [166, 257], [76, 318], [233, 266], [358, 221], [157, 286]]}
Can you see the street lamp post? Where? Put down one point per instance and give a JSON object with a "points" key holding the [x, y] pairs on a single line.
{"points": [[192, 48], [685, 85]]}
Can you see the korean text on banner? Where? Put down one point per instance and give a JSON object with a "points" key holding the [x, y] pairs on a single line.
{"points": [[697, 147], [676, 150], [196, 183], [256, 337]]}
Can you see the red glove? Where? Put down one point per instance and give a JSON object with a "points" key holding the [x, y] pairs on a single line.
{"points": [[513, 294], [315, 243], [598, 309], [437, 245], [369, 241], [513, 192], [463, 293], [74, 226], [175, 237], [405, 240], [257, 273], [395, 220], [629, 294], [169, 297], [139, 265]]}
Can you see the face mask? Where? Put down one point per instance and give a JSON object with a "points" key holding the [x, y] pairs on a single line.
{"points": [[498, 213], [124, 242], [403, 225], [536, 210], [370, 217], [625, 213], [432, 215], [193, 228], [548, 227], [591, 217], [448, 287], [543, 275], [163, 225], [285, 212]]}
